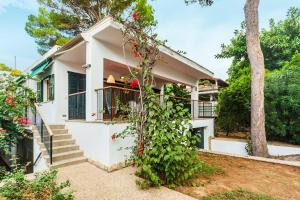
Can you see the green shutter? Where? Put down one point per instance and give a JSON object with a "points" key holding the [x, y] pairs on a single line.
{"points": [[51, 88], [39, 91]]}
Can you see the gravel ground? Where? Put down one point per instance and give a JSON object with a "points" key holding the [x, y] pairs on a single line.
{"points": [[91, 183]]}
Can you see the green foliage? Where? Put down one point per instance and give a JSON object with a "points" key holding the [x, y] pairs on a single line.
{"points": [[14, 99], [170, 156], [282, 103], [165, 149], [248, 147], [279, 44], [238, 195], [60, 20], [4, 67], [43, 187], [234, 103]]}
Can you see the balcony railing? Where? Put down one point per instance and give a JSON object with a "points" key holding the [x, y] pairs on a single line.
{"points": [[111, 102]]}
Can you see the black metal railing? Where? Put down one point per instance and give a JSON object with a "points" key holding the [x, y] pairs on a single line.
{"points": [[77, 105], [112, 100], [113, 103], [45, 132], [206, 109]]}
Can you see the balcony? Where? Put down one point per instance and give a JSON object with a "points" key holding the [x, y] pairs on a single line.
{"points": [[114, 104]]}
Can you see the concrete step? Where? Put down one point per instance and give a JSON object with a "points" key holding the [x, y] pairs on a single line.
{"points": [[63, 142], [62, 149], [59, 131], [57, 126], [65, 156], [68, 162], [62, 136]]}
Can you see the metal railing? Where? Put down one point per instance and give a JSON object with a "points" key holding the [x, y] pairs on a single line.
{"points": [[112, 100], [44, 131], [77, 104]]}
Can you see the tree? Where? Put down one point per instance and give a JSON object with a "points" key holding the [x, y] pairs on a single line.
{"points": [[58, 21], [280, 41], [234, 105], [282, 112], [256, 57]]}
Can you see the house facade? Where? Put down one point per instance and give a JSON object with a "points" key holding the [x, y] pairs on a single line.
{"points": [[81, 88], [209, 89]]}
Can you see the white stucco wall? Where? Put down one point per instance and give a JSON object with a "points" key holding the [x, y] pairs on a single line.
{"points": [[238, 147], [95, 139], [41, 164]]}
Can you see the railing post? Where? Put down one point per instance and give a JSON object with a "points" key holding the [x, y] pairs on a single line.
{"points": [[51, 145], [111, 106], [42, 131]]}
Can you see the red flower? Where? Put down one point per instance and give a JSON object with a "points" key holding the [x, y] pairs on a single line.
{"points": [[23, 120], [135, 43], [134, 83], [10, 101], [142, 144], [139, 151], [135, 15], [136, 53], [114, 137]]}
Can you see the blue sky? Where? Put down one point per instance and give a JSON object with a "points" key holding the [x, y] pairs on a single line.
{"points": [[196, 30]]}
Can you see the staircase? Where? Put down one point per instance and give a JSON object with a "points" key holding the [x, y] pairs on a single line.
{"points": [[65, 151]]}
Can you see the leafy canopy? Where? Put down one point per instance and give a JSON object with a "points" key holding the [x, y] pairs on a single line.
{"points": [[58, 21], [282, 105], [279, 43]]}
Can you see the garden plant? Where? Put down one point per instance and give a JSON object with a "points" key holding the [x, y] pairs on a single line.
{"points": [[164, 151]]}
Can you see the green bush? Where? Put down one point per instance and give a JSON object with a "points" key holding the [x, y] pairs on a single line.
{"points": [[169, 156], [282, 103], [16, 186]]}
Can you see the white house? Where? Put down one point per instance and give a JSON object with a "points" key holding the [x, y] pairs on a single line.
{"points": [[81, 85]]}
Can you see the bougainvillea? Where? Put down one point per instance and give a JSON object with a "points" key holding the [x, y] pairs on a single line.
{"points": [[164, 152], [15, 98]]}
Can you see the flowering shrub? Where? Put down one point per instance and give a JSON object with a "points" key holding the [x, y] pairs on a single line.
{"points": [[43, 187], [15, 98], [164, 151]]}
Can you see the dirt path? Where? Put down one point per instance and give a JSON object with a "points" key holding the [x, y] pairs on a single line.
{"points": [[92, 183], [278, 181]]}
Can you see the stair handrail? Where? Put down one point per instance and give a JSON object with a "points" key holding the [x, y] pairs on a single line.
{"points": [[37, 109], [44, 119]]}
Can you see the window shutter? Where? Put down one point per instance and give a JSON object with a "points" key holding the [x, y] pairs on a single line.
{"points": [[39, 91], [51, 88]]}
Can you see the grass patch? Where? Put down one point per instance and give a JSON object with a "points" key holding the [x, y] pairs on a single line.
{"points": [[209, 170], [238, 194]]}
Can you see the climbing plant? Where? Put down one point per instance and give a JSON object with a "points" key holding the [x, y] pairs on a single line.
{"points": [[164, 150], [15, 98]]}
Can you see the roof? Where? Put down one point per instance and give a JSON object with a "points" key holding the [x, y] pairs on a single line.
{"points": [[108, 21]]}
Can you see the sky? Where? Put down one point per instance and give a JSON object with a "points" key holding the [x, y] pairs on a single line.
{"points": [[196, 30]]}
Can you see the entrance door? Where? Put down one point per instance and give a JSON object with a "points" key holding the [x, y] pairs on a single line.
{"points": [[200, 132], [77, 88]]}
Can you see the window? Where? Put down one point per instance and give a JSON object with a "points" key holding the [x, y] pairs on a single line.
{"points": [[45, 89]]}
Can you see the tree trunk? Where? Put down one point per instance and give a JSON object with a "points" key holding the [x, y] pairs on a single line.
{"points": [[258, 134]]}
